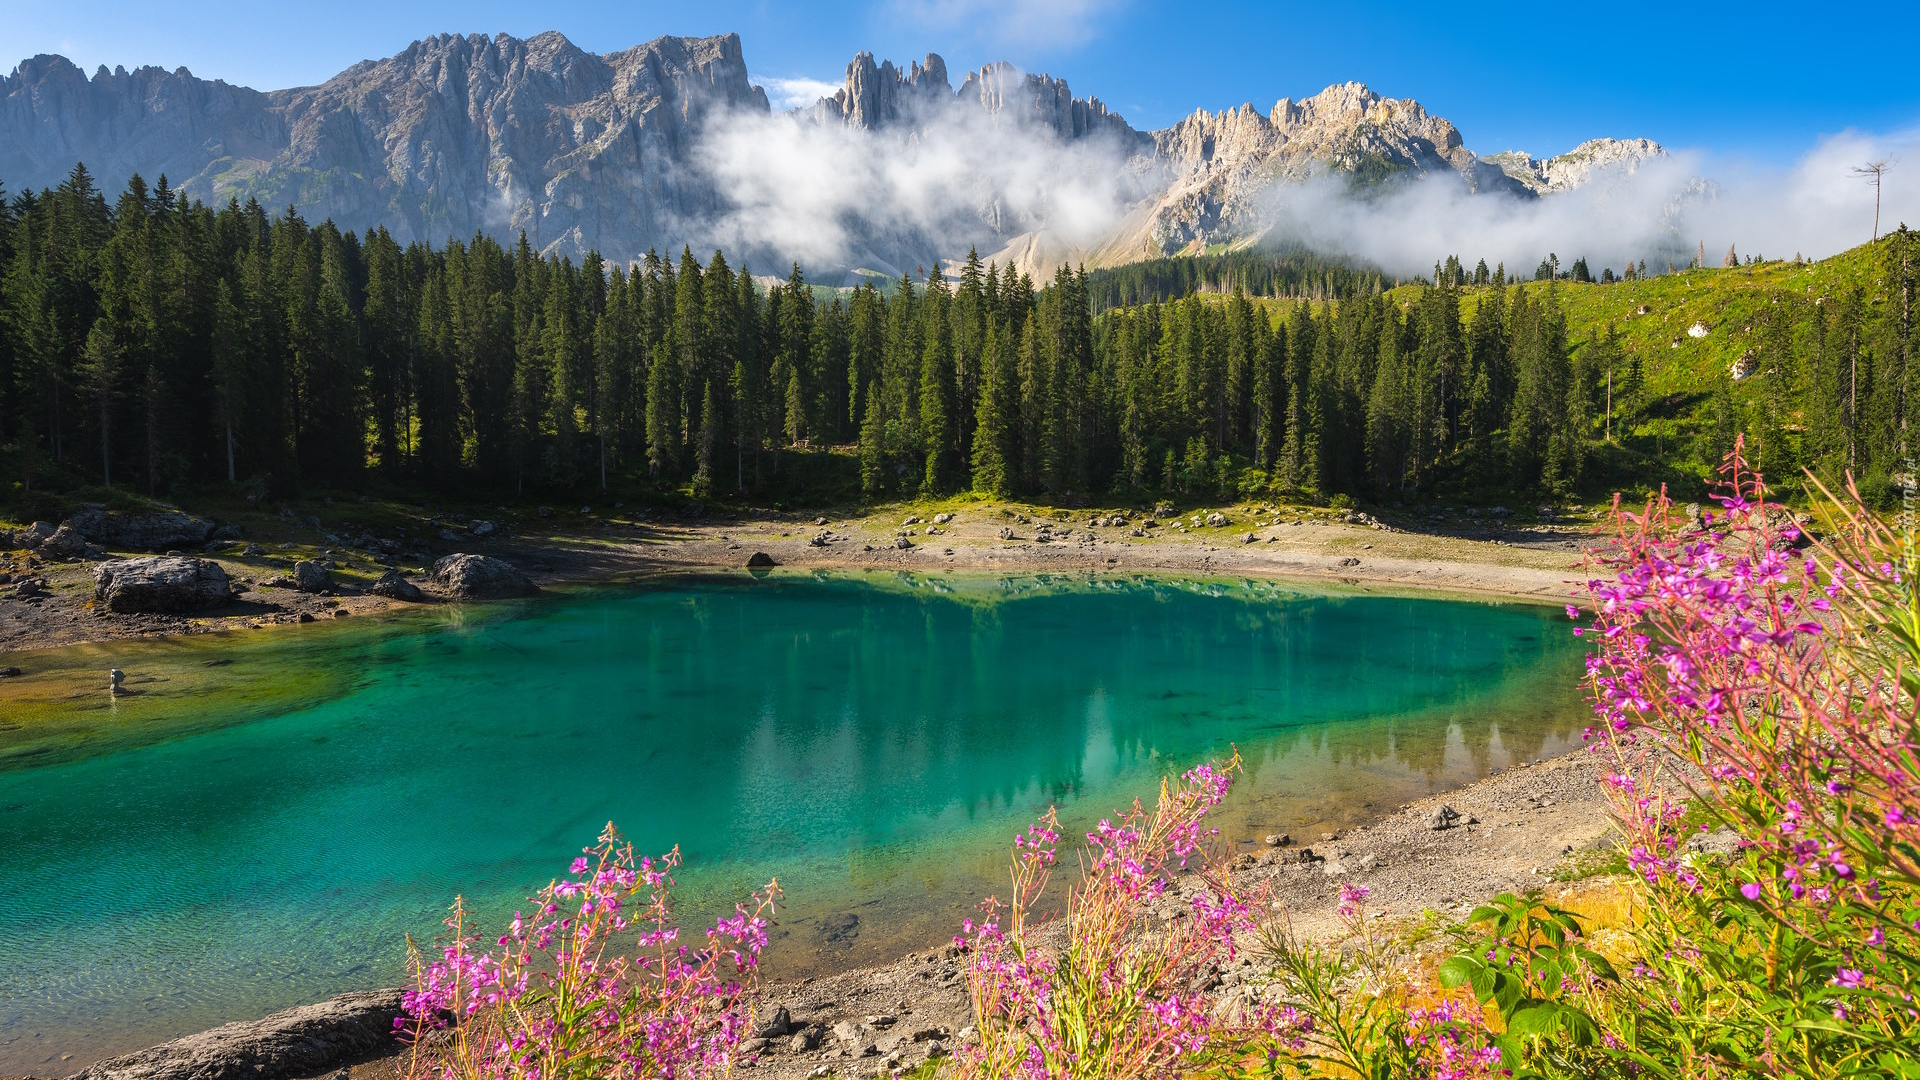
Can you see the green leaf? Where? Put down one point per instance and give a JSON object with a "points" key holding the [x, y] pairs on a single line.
{"points": [[1458, 970]]}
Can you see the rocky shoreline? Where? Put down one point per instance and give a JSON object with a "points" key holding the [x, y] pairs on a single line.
{"points": [[281, 571]]}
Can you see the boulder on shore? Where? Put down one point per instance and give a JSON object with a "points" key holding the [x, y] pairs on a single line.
{"points": [[394, 587], [311, 577], [153, 530], [760, 558], [480, 577], [65, 543], [303, 1041], [165, 583]]}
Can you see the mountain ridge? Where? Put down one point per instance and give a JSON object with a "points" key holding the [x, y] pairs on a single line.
{"points": [[464, 133]]}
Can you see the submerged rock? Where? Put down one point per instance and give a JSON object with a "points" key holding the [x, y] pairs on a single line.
{"points": [[301, 1041], [480, 577], [164, 583]]}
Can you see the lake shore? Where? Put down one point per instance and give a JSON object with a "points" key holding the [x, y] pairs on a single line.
{"points": [[1535, 825], [1518, 823], [1537, 562]]}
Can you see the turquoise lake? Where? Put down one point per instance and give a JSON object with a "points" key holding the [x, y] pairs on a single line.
{"points": [[268, 816]]}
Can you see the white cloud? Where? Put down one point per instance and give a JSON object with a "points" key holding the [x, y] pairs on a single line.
{"points": [[831, 196], [799, 93], [1054, 24], [1663, 211]]}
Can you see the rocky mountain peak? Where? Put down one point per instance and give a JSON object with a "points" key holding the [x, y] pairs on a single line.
{"points": [[1004, 91], [1576, 167], [1344, 126], [881, 95]]}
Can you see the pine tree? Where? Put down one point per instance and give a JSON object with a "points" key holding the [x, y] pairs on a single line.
{"points": [[229, 367], [873, 476], [663, 412], [749, 380], [793, 371], [709, 442], [100, 374], [993, 449], [937, 387], [560, 356], [435, 382]]}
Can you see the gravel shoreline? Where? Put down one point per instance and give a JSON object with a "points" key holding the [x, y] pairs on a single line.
{"points": [[1536, 563]]}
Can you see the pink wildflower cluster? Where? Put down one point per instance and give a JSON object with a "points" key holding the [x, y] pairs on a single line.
{"points": [[1719, 644], [1450, 1041], [1784, 680], [1109, 990], [596, 982]]}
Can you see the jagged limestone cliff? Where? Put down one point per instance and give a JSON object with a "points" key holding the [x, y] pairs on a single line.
{"points": [[452, 136]]}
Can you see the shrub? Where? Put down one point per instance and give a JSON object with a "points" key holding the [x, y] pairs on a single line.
{"points": [[595, 983], [1103, 991], [1774, 690]]}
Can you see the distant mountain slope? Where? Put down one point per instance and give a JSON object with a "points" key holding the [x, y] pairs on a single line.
{"points": [[451, 136], [617, 153]]}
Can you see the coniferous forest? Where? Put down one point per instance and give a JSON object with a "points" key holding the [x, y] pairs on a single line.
{"points": [[153, 344]]}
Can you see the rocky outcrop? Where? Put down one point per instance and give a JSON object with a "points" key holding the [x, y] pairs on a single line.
{"points": [[153, 530], [303, 1041], [165, 583], [480, 577]]}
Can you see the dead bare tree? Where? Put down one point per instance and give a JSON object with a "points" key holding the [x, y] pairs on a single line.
{"points": [[1872, 172]]}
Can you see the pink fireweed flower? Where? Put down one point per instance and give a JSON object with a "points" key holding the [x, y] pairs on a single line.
{"points": [[640, 1006]]}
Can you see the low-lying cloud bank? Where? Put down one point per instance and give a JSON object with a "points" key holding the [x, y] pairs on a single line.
{"points": [[836, 197], [839, 199], [1665, 210]]}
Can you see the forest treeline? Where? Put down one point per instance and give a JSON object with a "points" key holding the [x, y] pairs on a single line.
{"points": [[1292, 274], [156, 344]]}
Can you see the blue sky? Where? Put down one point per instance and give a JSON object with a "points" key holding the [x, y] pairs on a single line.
{"points": [[1756, 81]]}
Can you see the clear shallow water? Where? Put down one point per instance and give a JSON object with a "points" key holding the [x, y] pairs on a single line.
{"points": [[266, 830]]}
